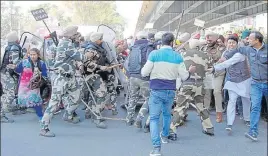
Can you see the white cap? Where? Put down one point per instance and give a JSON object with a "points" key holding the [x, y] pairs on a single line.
{"points": [[69, 31], [184, 37], [12, 36], [95, 36], [141, 35]]}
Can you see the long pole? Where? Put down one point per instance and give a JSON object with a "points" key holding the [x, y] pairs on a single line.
{"points": [[46, 26], [52, 36], [179, 25]]}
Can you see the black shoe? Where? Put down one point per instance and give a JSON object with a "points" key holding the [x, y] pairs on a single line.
{"points": [[172, 136], [208, 133], [146, 128], [130, 123], [138, 124]]}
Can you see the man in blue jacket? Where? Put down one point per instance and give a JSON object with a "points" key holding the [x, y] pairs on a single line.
{"points": [[256, 53]]}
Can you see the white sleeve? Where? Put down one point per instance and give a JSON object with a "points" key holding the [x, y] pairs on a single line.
{"points": [[183, 72], [147, 68], [233, 60]]}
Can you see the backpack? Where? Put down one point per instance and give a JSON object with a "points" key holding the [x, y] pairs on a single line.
{"points": [[136, 59]]}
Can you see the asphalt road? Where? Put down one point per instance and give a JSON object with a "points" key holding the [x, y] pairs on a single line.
{"points": [[84, 139]]}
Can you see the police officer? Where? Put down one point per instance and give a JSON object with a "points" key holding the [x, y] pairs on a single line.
{"points": [[214, 53], [95, 72], [192, 90], [64, 86], [9, 79]]}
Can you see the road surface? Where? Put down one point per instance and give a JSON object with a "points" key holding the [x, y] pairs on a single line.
{"points": [[84, 139]]}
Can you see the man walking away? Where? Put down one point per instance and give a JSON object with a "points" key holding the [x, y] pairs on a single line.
{"points": [[138, 84], [163, 66]]}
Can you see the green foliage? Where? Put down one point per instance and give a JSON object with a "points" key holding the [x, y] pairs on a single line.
{"points": [[66, 13]]}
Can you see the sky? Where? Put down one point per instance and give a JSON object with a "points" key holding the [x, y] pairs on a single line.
{"points": [[128, 9]]}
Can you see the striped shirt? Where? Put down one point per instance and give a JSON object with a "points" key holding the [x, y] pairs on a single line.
{"points": [[164, 66]]}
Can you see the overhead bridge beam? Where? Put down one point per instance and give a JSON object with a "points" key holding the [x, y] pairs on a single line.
{"points": [[209, 12], [235, 11], [161, 7], [196, 4]]}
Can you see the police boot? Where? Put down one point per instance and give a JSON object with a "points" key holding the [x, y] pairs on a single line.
{"points": [[46, 133], [146, 128], [209, 131], [172, 136], [99, 122], [5, 119], [15, 110], [138, 123], [87, 114], [72, 118], [114, 111], [23, 110]]}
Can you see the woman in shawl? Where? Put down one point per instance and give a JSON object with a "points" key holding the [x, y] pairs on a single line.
{"points": [[28, 68]]}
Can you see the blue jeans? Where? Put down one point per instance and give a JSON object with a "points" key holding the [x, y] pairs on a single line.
{"points": [[160, 101], [257, 91]]}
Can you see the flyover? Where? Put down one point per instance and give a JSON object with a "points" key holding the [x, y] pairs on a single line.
{"points": [[165, 15]]}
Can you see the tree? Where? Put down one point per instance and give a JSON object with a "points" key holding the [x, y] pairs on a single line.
{"points": [[55, 12], [10, 17], [95, 13]]}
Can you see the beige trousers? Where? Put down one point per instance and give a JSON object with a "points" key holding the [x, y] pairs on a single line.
{"points": [[217, 92]]}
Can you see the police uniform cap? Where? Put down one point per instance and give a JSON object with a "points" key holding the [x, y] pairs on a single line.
{"points": [[95, 36], [141, 35], [193, 43], [184, 37], [158, 35], [12, 36], [69, 31], [210, 33], [87, 36]]}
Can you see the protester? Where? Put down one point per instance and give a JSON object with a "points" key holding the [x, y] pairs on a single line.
{"points": [[31, 69], [163, 66]]}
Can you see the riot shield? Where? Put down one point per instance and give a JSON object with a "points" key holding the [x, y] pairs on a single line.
{"points": [[108, 33], [109, 36], [29, 40]]}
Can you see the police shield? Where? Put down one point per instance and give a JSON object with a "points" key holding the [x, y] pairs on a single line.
{"points": [[109, 36], [108, 33], [29, 41]]}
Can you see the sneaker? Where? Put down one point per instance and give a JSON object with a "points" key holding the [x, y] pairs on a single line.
{"points": [[164, 139], [138, 124], [155, 152], [46, 133], [229, 128], [247, 123], [253, 137]]}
